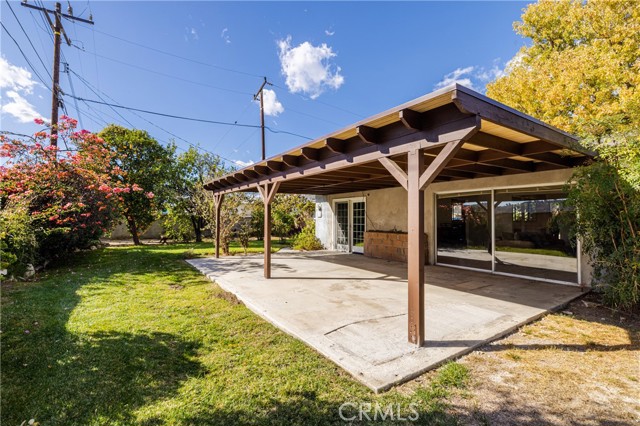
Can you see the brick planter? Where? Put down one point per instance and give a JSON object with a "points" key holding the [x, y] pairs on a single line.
{"points": [[389, 245]]}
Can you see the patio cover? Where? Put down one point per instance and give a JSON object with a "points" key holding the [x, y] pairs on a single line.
{"points": [[451, 134]]}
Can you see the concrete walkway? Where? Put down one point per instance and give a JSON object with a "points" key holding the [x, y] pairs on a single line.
{"points": [[353, 309]]}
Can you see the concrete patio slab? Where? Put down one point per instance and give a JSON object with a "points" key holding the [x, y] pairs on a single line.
{"points": [[353, 309]]}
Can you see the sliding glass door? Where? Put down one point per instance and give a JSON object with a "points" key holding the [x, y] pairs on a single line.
{"points": [[531, 232], [464, 230]]}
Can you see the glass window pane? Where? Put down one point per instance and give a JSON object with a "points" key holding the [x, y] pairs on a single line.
{"points": [[464, 230], [532, 234], [358, 223], [342, 220]]}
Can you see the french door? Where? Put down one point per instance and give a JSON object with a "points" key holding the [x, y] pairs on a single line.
{"points": [[350, 224]]}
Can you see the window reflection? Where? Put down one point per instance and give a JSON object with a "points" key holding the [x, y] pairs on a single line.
{"points": [[464, 230]]}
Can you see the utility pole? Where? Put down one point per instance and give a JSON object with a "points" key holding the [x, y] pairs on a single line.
{"points": [[255, 97], [58, 31]]}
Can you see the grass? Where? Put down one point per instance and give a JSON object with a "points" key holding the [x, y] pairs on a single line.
{"points": [[579, 367], [133, 335], [540, 251]]}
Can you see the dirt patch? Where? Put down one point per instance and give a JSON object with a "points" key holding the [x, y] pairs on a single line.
{"points": [[229, 297], [579, 367]]}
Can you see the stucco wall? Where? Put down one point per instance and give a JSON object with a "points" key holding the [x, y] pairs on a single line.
{"points": [[387, 208]]}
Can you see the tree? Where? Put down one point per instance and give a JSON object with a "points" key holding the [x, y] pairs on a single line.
{"points": [[191, 170], [54, 201], [232, 213], [581, 73], [149, 165], [289, 214]]}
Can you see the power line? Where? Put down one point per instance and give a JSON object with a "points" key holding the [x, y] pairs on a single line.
{"points": [[25, 56], [99, 96], [161, 73], [322, 102], [90, 86], [28, 38], [164, 52], [201, 120]]}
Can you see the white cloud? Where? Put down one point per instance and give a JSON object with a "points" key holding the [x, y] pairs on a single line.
{"points": [[243, 163], [459, 75], [191, 33], [309, 69], [16, 78], [272, 105], [473, 77], [329, 32], [16, 82], [225, 36], [19, 107]]}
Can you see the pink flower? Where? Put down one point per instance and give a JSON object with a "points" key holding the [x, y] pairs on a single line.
{"points": [[135, 187], [150, 195], [39, 121]]}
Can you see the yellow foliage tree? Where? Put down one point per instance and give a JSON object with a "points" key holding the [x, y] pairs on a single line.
{"points": [[581, 72]]}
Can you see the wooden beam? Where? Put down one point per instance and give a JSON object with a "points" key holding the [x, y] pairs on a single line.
{"points": [[415, 247], [267, 192], [507, 117], [367, 134], [537, 147], [433, 138], [218, 199], [252, 174], [290, 160], [310, 153], [550, 157], [241, 177], [439, 163], [507, 163], [496, 143], [336, 145], [276, 166], [411, 119], [395, 170], [263, 170]]}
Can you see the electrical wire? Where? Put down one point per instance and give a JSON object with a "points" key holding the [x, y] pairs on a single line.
{"points": [[164, 52], [200, 120], [128, 64], [25, 57], [29, 39], [196, 146]]}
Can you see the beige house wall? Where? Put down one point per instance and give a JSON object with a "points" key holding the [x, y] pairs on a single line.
{"points": [[387, 208]]}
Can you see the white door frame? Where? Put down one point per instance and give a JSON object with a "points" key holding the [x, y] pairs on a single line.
{"points": [[349, 248]]}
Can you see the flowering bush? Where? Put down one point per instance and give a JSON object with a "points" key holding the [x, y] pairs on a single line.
{"points": [[69, 197]]}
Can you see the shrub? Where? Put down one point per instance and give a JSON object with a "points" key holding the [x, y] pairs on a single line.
{"points": [[244, 233], [608, 224], [18, 245], [306, 239], [66, 200], [177, 226]]}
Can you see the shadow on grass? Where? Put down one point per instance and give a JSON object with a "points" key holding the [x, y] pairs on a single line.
{"points": [[62, 378], [307, 408]]}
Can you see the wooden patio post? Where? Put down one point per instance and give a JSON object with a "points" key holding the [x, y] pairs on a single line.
{"points": [[267, 192], [218, 199], [415, 246]]}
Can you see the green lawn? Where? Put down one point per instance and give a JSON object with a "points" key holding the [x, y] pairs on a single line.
{"points": [[207, 248], [133, 335]]}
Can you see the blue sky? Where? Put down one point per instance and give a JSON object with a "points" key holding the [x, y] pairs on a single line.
{"points": [[331, 63]]}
